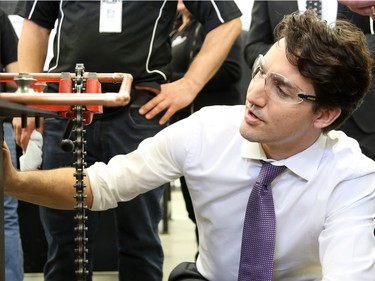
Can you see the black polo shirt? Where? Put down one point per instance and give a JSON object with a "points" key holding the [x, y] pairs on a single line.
{"points": [[142, 48], [8, 43]]}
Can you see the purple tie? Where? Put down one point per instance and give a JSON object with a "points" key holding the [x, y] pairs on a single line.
{"points": [[258, 238]]}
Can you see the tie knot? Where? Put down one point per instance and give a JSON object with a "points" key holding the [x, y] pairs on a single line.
{"points": [[268, 173]]}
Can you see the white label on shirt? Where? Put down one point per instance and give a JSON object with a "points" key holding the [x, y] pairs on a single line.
{"points": [[110, 16]]}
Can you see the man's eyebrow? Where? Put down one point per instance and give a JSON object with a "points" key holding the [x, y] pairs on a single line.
{"points": [[282, 79]]}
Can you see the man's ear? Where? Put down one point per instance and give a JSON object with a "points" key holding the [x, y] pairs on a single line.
{"points": [[326, 116]]}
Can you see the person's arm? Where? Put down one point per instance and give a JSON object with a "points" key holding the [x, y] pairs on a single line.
{"points": [[11, 68], [176, 95], [364, 8], [156, 161], [229, 72], [51, 188], [32, 52], [32, 47]]}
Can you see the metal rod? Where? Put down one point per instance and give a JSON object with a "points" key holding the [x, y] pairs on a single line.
{"points": [[106, 99], [55, 77]]}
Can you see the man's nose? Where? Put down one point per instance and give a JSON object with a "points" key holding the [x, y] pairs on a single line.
{"points": [[256, 92]]}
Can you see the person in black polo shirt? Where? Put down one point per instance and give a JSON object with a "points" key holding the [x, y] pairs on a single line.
{"points": [[130, 37]]}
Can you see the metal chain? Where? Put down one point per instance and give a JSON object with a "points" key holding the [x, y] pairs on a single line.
{"points": [[79, 151]]}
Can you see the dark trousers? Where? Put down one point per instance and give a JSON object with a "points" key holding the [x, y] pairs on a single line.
{"points": [[139, 246], [186, 271]]}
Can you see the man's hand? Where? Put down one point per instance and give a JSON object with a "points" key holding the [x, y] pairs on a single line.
{"points": [[172, 97], [362, 7], [179, 94], [22, 135]]}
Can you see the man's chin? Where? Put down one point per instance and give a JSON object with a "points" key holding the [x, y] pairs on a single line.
{"points": [[249, 133]]}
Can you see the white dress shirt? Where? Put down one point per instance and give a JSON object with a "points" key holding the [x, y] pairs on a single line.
{"points": [[324, 202]]}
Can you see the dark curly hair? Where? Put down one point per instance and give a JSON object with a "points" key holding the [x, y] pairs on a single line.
{"points": [[335, 58]]}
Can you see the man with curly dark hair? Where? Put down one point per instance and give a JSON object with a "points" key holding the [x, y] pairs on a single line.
{"points": [[266, 15]]}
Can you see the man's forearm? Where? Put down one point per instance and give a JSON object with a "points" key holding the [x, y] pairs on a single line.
{"points": [[214, 50], [362, 7], [52, 188], [32, 52], [32, 47]]}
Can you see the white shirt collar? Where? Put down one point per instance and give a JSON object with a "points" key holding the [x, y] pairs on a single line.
{"points": [[296, 163]]}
